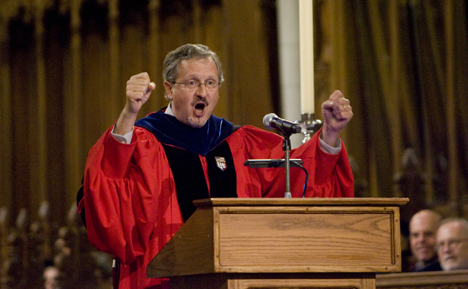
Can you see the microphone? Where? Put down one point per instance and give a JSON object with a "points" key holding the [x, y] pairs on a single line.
{"points": [[271, 120]]}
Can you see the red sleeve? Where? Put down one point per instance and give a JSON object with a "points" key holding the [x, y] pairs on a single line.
{"points": [[329, 175], [126, 212]]}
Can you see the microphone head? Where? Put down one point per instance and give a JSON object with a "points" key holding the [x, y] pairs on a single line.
{"points": [[267, 119]]}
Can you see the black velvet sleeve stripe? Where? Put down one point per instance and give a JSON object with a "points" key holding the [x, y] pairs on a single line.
{"points": [[189, 178]]}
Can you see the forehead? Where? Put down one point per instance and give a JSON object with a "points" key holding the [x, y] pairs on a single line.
{"points": [[198, 67], [450, 230], [423, 223]]}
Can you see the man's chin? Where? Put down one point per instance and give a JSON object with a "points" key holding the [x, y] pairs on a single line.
{"points": [[196, 123], [450, 266], [424, 257]]}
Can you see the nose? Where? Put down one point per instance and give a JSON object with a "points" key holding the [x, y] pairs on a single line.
{"points": [[418, 239], [201, 90], [423, 239]]}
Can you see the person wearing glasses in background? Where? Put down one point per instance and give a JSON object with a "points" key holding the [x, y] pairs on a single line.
{"points": [[452, 244], [142, 176]]}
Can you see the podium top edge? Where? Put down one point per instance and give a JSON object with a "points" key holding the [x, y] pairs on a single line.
{"points": [[302, 202]]}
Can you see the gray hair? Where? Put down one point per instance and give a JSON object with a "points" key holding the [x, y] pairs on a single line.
{"points": [[463, 222], [186, 52]]}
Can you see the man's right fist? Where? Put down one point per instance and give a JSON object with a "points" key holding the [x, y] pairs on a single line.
{"points": [[139, 88]]}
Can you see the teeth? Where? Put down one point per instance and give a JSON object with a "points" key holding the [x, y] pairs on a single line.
{"points": [[198, 110]]}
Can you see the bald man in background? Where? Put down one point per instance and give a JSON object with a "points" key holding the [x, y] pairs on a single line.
{"points": [[423, 229]]}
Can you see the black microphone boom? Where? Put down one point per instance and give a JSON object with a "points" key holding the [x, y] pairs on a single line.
{"points": [[271, 120]]}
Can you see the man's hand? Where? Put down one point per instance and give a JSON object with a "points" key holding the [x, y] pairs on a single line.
{"points": [[139, 88], [337, 113]]}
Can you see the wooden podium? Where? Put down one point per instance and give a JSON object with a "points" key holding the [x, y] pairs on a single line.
{"points": [[231, 243]]}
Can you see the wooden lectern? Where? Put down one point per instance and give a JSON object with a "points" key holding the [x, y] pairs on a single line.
{"points": [[231, 243]]}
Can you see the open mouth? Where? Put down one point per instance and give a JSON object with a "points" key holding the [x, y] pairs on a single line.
{"points": [[199, 108]]}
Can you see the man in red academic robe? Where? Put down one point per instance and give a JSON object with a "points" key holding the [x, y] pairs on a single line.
{"points": [[142, 176]]}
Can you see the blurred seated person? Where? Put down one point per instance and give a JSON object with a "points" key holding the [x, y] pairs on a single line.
{"points": [[51, 275], [452, 244], [423, 228]]}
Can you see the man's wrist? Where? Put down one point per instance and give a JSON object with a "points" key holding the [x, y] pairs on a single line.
{"points": [[324, 146], [125, 122], [126, 138]]}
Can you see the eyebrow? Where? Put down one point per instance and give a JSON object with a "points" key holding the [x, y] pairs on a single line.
{"points": [[196, 76]]}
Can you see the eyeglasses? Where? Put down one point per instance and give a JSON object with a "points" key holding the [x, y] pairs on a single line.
{"points": [[194, 84], [450, 243]]}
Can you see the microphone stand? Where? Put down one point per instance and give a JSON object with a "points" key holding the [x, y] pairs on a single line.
{"points": [[286, 128], [287, 149], [275, 163]]}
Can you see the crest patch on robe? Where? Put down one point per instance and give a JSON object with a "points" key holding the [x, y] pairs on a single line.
{"points": [[221, 163]]}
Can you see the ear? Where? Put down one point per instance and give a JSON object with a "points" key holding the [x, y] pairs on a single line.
{"points": [[168, 89]]}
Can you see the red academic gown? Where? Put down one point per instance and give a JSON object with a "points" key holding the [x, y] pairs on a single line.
{"points": [[130, 195]]}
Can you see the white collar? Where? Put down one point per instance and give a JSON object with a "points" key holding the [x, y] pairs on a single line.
{"points": [[169, 110]]}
